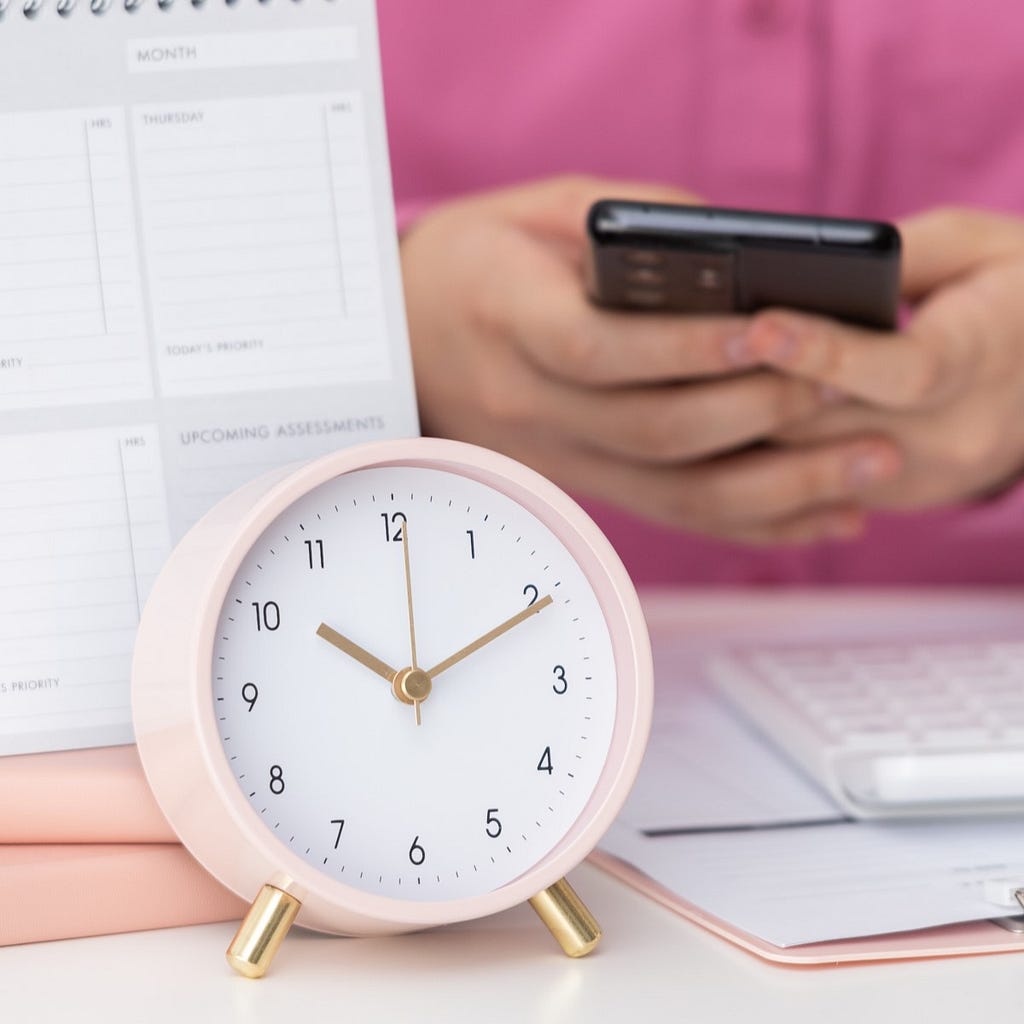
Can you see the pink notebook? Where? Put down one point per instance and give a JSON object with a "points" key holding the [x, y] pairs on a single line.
{"points": [[84, 850]]}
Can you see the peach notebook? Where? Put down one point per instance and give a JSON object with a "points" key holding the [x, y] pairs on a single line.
{"points": [[84, 850], [967, 939]]}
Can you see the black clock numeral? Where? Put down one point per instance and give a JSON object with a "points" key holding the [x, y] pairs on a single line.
{"points": [[544, 764], [417, 855], [276, 780], [392, 529], [493, 827], [315, 553], [268, 616], [559, 673], [533, 592], [340, 822], [472, 544], [250, 694]]}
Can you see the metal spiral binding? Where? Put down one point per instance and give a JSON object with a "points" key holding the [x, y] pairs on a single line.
{"points": [[65, 8]]}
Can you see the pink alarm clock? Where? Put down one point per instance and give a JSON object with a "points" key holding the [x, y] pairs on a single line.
{"points": [[403, 685]]}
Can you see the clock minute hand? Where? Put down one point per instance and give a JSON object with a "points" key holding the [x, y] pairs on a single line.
{"points": [[482, 641], [353, 650]]}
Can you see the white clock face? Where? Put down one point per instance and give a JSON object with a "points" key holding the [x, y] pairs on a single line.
{"points": [[515, 729]]}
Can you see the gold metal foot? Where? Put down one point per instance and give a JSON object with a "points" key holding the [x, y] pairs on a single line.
{"points": [[262, 931], [567, 918]]}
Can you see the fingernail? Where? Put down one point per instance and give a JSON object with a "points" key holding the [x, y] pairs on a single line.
{"points": [[738, 351], [780, 345], [868, 468]]}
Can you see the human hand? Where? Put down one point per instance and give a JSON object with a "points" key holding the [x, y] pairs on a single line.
{"points": [[640, 410], [949, 389]]}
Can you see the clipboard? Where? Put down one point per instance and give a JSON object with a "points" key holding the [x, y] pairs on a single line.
{"points": [[968, 939]]}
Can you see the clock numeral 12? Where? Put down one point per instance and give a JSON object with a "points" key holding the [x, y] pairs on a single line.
{"points": [[392, 531]]}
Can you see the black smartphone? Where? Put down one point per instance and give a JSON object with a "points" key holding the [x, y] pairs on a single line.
{"points": [[700, 259]]}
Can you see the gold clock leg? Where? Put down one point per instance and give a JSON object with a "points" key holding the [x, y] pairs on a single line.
{"points": [[262, 931], [567, 918]]}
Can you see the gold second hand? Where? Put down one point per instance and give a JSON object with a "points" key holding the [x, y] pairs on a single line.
{"points": [[412, 621]]}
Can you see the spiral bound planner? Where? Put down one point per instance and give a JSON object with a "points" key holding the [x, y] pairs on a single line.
{"points": [[198, 281]]}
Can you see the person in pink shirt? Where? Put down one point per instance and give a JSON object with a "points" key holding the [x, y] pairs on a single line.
{"points": [[777, 448]]}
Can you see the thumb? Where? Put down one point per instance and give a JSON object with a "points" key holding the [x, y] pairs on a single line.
{"points": [[942, 245]]}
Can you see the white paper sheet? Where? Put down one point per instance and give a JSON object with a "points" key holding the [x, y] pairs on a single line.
{"points": [[198, 282], [721, 818]]}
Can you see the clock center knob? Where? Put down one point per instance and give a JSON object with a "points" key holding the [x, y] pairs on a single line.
{"points": [[412, 686]]}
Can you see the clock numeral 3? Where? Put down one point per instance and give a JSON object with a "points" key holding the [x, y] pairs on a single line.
{"points": [[493, 828], [268, 616], [276, 780], [392, 529], [250, 694], [417, 855], [561, 684], [533, 592], [544, 764]]}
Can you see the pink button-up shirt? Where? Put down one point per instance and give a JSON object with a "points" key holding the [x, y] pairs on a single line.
{"points": [[871, 108]]}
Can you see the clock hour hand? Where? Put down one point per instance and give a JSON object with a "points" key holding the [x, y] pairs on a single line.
{"points": [[353, 650], [482, 641]]}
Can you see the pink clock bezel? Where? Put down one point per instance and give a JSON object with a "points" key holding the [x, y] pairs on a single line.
{"points": [[173, 707]]}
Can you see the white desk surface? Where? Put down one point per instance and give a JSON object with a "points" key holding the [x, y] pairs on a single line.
{"points": [[651, 965]]}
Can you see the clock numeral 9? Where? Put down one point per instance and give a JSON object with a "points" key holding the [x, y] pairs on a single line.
{"points": [[250, 694], [559, 673], [392, 531], [544, 764], [268, 616], [533, 593], [276, 780], [315, 553], [417, 855], [493, 828]]}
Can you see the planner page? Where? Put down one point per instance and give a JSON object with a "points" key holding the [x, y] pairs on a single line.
{"points": [[199, 282]]}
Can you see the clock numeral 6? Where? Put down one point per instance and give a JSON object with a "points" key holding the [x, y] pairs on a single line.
{"points": [[544, 764], [561, 684], [493, 828], [417, 855], [276, 780], [268, 616], [392, 530], [250, 694]]}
